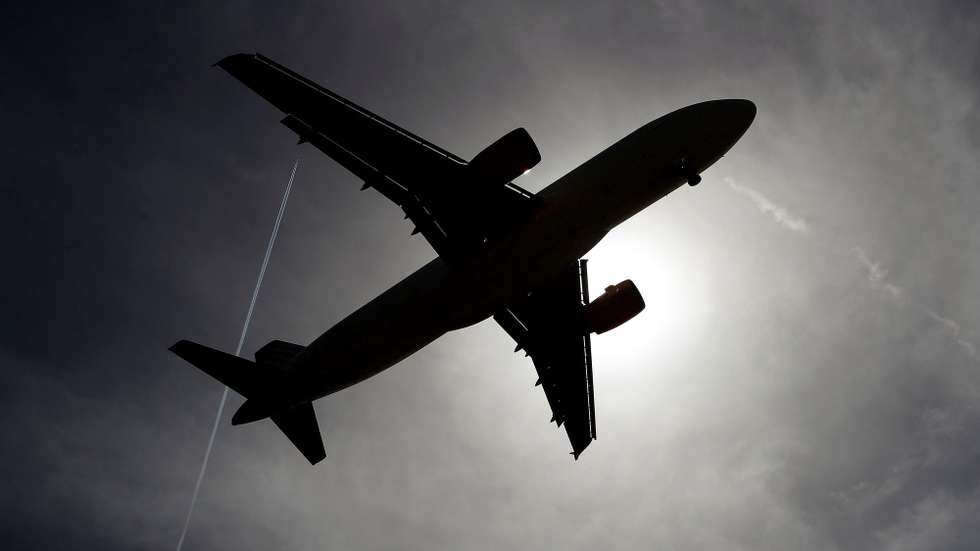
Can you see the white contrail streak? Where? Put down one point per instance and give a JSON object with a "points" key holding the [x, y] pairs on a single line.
{"points": [[778, 213], [238, 352], [877, 275], [955, 332]]}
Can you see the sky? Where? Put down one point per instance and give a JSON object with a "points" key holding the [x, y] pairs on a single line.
{"points": [[805, 375]]}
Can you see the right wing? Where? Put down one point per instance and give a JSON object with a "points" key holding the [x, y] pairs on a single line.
{"points": [[550, 326], [455, 212]]}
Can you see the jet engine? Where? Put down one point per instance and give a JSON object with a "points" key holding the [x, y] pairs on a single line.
{"points": [[507, 158], [617, 305]]}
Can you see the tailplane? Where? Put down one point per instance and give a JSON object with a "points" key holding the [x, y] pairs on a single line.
{"points": [[299, 424], [261, 383], [234, 372]]}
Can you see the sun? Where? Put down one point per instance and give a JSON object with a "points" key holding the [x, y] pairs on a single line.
{"points": [[673, 289]]}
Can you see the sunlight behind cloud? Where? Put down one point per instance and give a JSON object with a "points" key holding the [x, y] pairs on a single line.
{"points": [[674, 291]]}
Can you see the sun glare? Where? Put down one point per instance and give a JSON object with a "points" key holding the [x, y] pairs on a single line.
{"points": [[674, 293]]}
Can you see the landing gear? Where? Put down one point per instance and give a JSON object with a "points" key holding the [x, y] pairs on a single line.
{"points": [[693, 178]]}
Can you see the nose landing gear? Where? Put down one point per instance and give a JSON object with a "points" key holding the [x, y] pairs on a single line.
{"points": [[693, 178]]}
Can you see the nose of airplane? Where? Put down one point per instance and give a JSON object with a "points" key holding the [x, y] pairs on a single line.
{"points": [[712, 128], [734, 115], [743, 111]]}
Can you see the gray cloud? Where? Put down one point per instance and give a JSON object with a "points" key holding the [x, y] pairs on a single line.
{"points": [[773, 395]]}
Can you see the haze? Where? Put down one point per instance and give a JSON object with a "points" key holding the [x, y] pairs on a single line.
{"points": [[805, 375]]}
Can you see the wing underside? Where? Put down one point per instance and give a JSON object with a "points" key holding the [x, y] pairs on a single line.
{"points": [[549, 326], [453, 211]]}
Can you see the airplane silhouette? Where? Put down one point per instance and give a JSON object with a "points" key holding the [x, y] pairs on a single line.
{"points": [[502, 251]]}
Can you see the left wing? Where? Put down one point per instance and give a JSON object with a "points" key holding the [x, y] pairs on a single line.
{"points": [[452, 206], [550, 326]]}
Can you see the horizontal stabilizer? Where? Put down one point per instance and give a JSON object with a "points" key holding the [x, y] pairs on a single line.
{"points": [[299, 424], [259, 384], [236, 373]]}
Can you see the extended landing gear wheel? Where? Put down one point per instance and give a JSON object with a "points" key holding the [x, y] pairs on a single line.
{"points": [[693, 179]]}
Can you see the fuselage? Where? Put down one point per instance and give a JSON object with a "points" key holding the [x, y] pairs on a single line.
{"points": [[573, 215]]}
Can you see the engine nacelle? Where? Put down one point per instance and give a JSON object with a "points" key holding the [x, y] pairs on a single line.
{"points": [[619, 304], [507, 158]]}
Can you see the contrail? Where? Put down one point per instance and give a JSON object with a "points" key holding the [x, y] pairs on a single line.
{"points": [[877, 274], [782, 216], [953, 329], [238, 352]]}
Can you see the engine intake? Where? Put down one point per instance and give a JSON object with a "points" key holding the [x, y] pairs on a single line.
{"points": [[507, 158], [617, 305]]}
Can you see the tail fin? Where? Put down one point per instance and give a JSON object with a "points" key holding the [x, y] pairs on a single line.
{"points": [[278, 354], [259, 383]]}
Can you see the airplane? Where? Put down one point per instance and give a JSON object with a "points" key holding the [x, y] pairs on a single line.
{"points": [[502, 251]]}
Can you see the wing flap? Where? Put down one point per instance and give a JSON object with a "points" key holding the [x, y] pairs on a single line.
{"points": [[335, 151], [383, 144], [454, 211], [549, 326], [413, 206]]}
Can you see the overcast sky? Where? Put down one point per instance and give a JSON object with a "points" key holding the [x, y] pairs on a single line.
{"points": [[805, 376]]}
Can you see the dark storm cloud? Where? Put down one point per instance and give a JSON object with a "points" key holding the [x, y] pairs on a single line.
{"points": [[811, 408]]}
